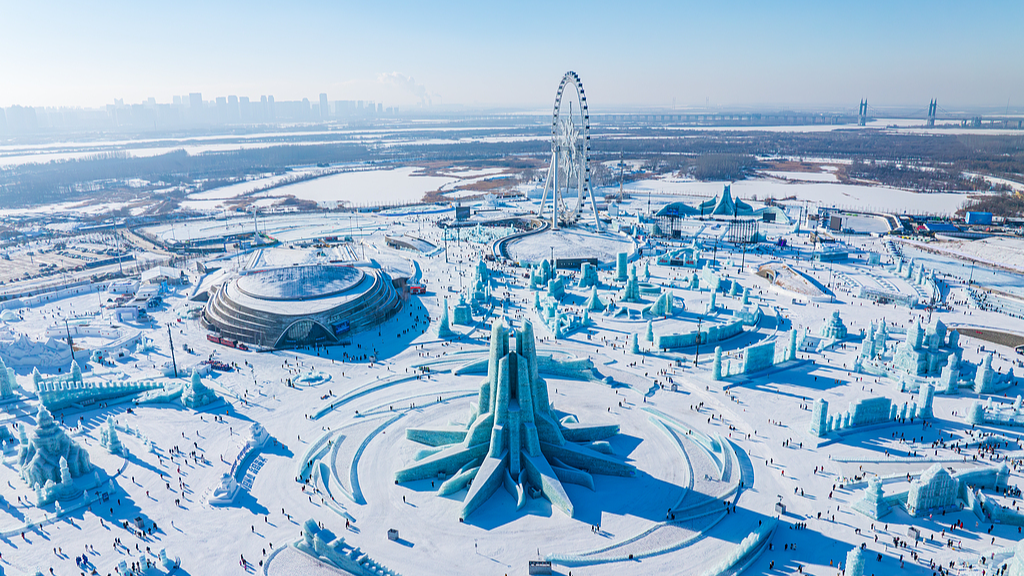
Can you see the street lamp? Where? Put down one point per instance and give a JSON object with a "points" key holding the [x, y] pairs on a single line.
{"points": [[696, 354]]}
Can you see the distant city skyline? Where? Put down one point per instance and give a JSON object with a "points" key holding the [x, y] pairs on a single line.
{"points": [[796, 54]]}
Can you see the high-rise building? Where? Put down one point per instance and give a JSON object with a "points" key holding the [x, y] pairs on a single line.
{"points": [[195, 104], [233, 108], [244, 111], [380, 108], [222, 109], [324, 110], [270, 108]]}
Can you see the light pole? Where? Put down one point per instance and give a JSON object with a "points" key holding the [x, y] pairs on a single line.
{"points": [[696, 354], [171, 340]]}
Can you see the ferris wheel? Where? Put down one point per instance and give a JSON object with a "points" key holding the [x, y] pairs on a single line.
{"points": [[570, 156]]}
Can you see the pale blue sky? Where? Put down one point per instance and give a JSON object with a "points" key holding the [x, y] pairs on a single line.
{"points": [[774, 54]]}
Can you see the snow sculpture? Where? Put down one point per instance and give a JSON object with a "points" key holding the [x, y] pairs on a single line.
{"points": [[620, 267], [76, 372], [196, 394], [734, 289], [632, 291], [746, 296], [647, 272], [984, 378], [463, 312], [634, 344], [649, 336], [40, 454], [225, 492], [594, 303], [834, 328], [712, 305], [588, 275], [854, 563], [323, 544], [7, 381], [444, 330], [819, 418], [514, 438], [109, 438], [873, 504], [716, 366], [936, 489]]}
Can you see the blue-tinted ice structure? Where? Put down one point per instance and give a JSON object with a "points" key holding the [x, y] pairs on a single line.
{"points": [[834, 328], [109, 438], [620, 266], [196, 394], [462, 313], [873, 504], [444, 330], [926, 351], [480, 286], [541, 275], [325, 546], [649, 335], [40, 453], [594, 303], [935, 490], [854, 563], [7, 381], [631, 293], [60, 392], [588, 275], [514, 438], [63, 490], [662, 306]]}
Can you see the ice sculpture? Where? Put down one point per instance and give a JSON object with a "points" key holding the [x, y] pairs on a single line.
{"points": [[196, 394], [834, 329], [984, 378], [634, 344], [109, 438], [632, 291], [588, 275], [463, 313], [936, 489], [873, 503], [7, 381], [620, 266], [854, 563], [444, 330], [40, 454], [514, 438], [594, 303], [649, 336], [716, 367]]}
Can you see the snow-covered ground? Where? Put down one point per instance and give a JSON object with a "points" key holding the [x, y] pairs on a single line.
{"points": [[364, 406]]}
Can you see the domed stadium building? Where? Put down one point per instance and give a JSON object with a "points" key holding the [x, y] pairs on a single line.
{"points": [[295, 306]]}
